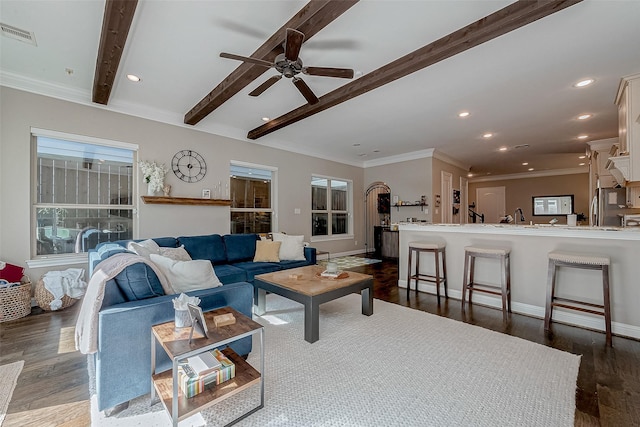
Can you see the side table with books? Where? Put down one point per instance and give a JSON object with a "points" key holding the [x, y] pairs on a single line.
{"points": [[198, 365]]}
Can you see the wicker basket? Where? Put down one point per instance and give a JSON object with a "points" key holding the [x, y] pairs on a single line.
{"points": [[15, 302], [44, 297]]}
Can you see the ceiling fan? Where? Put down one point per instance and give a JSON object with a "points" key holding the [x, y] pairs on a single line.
{"points": [[289, 65]]}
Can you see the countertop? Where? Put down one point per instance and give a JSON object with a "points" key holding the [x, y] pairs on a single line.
{"points": [[615, 233]]}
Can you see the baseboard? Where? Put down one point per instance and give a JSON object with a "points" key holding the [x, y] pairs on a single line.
{"points": [[559, 315]]}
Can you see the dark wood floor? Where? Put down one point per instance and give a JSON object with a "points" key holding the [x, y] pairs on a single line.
{"points": [[53, 388]]}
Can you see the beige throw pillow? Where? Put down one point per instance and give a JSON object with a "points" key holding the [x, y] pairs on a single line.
{"points": [[178, 254], [185, 276], [267, 251]]}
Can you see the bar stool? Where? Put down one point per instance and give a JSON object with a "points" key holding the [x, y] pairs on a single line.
{"points": [[573, 260], [468, 282], [436, 248]]}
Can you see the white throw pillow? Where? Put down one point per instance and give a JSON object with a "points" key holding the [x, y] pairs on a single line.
{"points": [[144, 248], [178, 254], [292, 247], [185, 276]]}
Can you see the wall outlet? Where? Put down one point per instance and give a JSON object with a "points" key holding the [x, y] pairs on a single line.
{"points": [[356, 242], [296, 211]]}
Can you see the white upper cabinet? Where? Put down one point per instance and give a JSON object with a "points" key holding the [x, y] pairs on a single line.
{"points": [[628, 101]]}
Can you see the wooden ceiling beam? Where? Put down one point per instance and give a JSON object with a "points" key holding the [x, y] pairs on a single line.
{"points": [[509, 18], [313, 17], [116, 22]]}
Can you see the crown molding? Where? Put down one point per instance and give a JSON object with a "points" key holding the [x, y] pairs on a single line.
{"points": [[39, 87], [602, 144], [421, 154], [450, 160], [527, 175]]}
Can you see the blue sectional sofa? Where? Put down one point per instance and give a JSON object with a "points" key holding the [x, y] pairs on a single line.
{"points": [[134, 301]]}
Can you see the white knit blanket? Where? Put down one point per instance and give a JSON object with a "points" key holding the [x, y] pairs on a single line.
{"points": [[87, 322], [60, 283]]}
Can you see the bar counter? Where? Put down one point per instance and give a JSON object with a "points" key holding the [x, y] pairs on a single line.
{"points": [[529, 246]]}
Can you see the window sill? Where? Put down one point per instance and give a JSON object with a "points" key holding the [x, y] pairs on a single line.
{"points": [[57, 260], [329, 238]]}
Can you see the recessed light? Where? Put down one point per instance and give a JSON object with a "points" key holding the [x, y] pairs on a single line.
{"points": [[580, 164], [582, 157], [502, 148], [469, 175], [487, 135], [376, 151], [525, 163], [583, 136], [362, 154], [133, 78], [265, 119], [356, 145], [583, 83], [584, 116], [530, 169], [464, 114]]}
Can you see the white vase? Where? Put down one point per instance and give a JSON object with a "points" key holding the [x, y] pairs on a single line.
{"points": [[150, 192]]}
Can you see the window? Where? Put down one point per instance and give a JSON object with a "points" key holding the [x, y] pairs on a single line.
{"points": [[83, 193], [330, 206], [252, 198]]}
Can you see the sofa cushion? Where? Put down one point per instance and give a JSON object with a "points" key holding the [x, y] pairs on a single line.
{"points": [[293, 264], [230, 274], [166, 242], [255, 268], [240, 247], [138, 281], [210, 247]]}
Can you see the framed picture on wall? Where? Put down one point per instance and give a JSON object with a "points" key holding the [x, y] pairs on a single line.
{"points": [[384, 203]]}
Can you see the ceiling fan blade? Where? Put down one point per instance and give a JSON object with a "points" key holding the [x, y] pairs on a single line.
{"points": [[292, 44], [305, 90], [344, 73], [266, 85], [255, 61]]}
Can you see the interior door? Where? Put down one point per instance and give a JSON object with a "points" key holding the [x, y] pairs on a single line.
{"points": [[491, 203]]}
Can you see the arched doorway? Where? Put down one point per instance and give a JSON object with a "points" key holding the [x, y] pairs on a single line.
{"points": [[374, 212]]}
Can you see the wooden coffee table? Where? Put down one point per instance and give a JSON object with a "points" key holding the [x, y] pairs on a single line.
{"points": [[304, 286]]}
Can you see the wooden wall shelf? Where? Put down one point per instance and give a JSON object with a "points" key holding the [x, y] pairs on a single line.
{"points": [[162, 200]]}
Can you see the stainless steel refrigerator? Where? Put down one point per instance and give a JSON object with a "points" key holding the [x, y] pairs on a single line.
{"points": [[608, 206]]}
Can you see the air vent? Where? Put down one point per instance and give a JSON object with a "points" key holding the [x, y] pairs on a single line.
{"points": [[522, 146], [18, 34]]}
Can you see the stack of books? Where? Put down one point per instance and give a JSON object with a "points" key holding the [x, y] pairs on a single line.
{"points": [[331, 274], [207, 369]]}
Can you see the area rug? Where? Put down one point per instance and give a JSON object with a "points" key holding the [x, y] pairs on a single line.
{"points": [[8, 379], [398, 367], [346, 262]]}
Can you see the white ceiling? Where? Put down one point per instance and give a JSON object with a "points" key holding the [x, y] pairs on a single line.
{"points": [[518, 86]]}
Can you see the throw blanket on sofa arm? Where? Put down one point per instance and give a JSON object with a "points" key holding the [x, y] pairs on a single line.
{"points": [[87, 323]]}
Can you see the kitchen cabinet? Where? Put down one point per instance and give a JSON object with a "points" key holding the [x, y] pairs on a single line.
{"points": [[628, 101], [390, 243]]}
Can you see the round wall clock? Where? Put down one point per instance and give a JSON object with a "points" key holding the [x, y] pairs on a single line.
{"points": [[189, 166]]}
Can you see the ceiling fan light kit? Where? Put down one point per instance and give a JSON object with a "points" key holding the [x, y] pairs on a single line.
{"points": [[289, 65]]}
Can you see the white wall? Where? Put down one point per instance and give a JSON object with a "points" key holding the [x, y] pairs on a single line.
{"points": [[20, 111], [408, 180]]}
